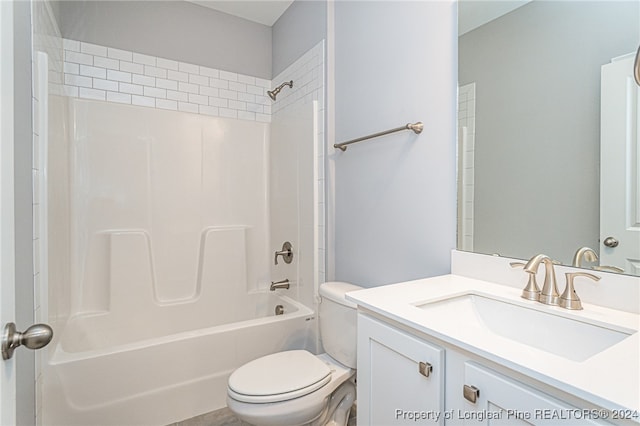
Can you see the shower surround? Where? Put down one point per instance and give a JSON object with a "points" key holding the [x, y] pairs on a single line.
{"points": [[160, 223]]}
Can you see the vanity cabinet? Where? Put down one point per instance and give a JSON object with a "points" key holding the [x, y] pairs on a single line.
{"points": [[399, 376], [457, 390]]}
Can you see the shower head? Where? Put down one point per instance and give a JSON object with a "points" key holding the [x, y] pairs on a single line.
{"points": [[273, 93]]}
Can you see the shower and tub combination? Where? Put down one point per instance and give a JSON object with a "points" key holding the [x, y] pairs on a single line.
{"points": [[162, 227]]}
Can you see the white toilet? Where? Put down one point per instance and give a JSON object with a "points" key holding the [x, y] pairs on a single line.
{"points": [[294, 388]]}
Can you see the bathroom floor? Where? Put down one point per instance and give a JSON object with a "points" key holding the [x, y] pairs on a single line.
{"points": [[224, 417]]}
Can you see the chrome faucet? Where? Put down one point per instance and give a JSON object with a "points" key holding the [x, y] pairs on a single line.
{"points": [[585, 253], [279, 284], [549, 294]]}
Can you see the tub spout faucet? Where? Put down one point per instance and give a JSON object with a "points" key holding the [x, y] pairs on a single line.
{"points": [[549, 294], [279, 284]]}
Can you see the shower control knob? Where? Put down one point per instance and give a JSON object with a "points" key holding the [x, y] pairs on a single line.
{"points": [[611, 242], [35, 337]]}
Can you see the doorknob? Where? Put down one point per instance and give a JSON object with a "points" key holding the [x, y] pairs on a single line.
{"points": [[611, 242], [35, 337]]}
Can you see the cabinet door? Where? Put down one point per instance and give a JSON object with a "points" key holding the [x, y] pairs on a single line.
{"points": [[504, 401], [391, 388]]}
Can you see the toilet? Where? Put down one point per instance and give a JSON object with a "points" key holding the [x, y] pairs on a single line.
{"points": [[293, 388]]}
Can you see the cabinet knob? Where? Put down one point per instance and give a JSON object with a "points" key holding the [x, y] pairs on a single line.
{"points": [[471, 393], [425, 369]]}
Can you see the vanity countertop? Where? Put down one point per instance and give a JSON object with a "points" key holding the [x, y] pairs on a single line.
{"points": [[609, 379]]}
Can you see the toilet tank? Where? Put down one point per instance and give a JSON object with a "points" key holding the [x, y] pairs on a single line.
{"points": [[338, 318]]}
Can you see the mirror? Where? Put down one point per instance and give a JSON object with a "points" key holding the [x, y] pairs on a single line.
{"points": [[530, 122]]}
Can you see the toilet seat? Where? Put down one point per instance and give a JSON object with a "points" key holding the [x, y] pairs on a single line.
{"points": [[278, 377]]}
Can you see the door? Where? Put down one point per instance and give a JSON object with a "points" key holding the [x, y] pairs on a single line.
{"points": [[620, 168], [7, 255]]}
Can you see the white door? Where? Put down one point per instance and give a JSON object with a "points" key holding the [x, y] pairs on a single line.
{"points": [[7, 255], [620, 168]]}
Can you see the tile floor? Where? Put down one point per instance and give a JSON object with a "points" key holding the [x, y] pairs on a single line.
{"points": [[224, 417]]}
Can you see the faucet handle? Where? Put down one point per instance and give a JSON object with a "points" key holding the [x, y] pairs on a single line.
{"points": [[531, 290], [569, 298]]}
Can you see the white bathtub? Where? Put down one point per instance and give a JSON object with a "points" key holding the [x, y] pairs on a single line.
{"points": [[157, 372]]}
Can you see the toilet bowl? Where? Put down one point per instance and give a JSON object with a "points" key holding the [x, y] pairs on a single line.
{"points": [[295, 387]]}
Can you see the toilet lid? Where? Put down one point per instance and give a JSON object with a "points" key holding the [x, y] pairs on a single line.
{"points": [[278, 377]]}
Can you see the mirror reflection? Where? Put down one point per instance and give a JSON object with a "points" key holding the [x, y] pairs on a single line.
{"points": [[548, 145]]}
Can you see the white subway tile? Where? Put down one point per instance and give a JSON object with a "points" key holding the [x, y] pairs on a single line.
{"points": [[155, 92], [143, 101], [177, 75], [238, 105], [167, 64], [198, 79], [70, 45], [93, 49], [263, 118], [112, 64], [70, 91], [144, 80], [131, 67], [266, 109], [166, 84], [167, 104], [246, 97], [70, 68], [123, 55], [246, 79], [208, 91], [263, 100], [119, 76], [231, 76], [155, 71], [134, 89], [77, 80], [229, 113], [89, 71], [238, 87], [209, 72], [122, 98], [198, 99], [254, 107], [255, 90], [187, 107], [187, 87], [87, 93], [101, 84], [144, 59], [244, 115], [228, 94], [189, 68], [208, 110], [177, 96], [220, 84], [78, 58], [218, 102]]}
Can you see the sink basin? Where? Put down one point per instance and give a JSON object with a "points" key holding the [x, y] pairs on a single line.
{"points": [[542, 329]]}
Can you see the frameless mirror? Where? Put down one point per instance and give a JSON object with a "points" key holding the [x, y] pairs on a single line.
{"points": [[534, 99]]}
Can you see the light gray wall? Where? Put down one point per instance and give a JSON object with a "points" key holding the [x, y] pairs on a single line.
{"points": [[395, 196], [301, 27], [537, 74], [176, 30], [25, 359]]}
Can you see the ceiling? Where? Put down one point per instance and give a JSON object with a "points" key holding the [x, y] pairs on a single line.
{"points": [[264, 12], [471, 13]]}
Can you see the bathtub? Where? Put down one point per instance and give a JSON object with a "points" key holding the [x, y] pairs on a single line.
{"points": [[167, 366]]}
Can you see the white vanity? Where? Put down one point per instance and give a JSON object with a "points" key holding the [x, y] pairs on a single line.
{"points": [[458, 350]]}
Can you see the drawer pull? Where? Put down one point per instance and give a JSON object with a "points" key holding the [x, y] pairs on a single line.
{"points": [[425, 368], [471, 393]]}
